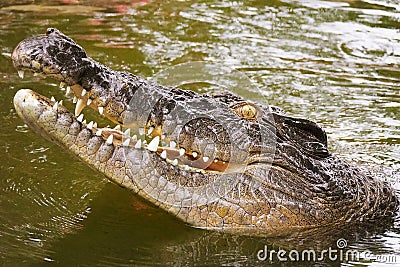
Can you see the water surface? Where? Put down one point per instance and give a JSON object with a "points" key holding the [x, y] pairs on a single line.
{"points": [[334, 62]]}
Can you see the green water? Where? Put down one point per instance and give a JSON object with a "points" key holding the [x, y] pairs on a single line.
{"points": [[334, 62]]}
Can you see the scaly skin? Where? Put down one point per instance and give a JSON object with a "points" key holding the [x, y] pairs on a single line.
{"points": [[246, 168]]}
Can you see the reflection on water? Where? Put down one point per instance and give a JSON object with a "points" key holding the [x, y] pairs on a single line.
{"points": [[335, 62]]}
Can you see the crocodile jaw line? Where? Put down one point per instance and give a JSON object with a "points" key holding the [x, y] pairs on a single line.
{"points": [[147, 139]]}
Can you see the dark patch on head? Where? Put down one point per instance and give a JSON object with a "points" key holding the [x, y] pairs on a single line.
{"points": [[305, 134]]}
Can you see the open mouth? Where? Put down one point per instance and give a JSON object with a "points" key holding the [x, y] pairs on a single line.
{"points": [[92, 84], [149, 137]]}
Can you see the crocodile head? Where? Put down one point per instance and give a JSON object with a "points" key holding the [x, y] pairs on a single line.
{"points": [[215, 161]]}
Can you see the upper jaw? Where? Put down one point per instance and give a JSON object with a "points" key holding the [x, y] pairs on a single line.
{"points": [[29, 54]]}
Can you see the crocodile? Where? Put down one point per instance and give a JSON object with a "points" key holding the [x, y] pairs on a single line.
{"points": [[213, 160]]}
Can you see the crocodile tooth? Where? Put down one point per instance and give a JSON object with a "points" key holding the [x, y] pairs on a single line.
{"points": [[127, 132], [110, 139], [84, 122], [164, 154], [83, 92], [89, 101], [62, 84], [175, 162], [182, 151], [21, 74], [35, 74], [80, 118], [141, 131], [90, 125], [35, 64], [186, 168], [99, 132], [215, 160], [8, 55], [126, 142], [205, 159], [74, 100], [95, 125], [134, 137], [118, 127], [60, 102], [68, 91], [79, 106], [138, 144], [172, 144], [55, 106], [151, 129], [52, 99], [101, 110], [194, 154], [153, 145]]}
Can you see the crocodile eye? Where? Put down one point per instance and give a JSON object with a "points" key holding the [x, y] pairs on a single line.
{"points": [[246, 111]]}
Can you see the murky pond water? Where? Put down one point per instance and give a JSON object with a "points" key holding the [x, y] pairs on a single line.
{"points": [[334, 62]]}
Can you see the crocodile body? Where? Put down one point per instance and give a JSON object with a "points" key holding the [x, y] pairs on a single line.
{"points": [[215, 161]]}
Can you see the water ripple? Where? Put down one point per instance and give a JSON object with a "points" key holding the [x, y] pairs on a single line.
{"points": [[335, 62]]}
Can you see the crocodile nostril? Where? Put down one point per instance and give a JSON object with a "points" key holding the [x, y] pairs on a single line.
{"points": [[50, 31]]}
